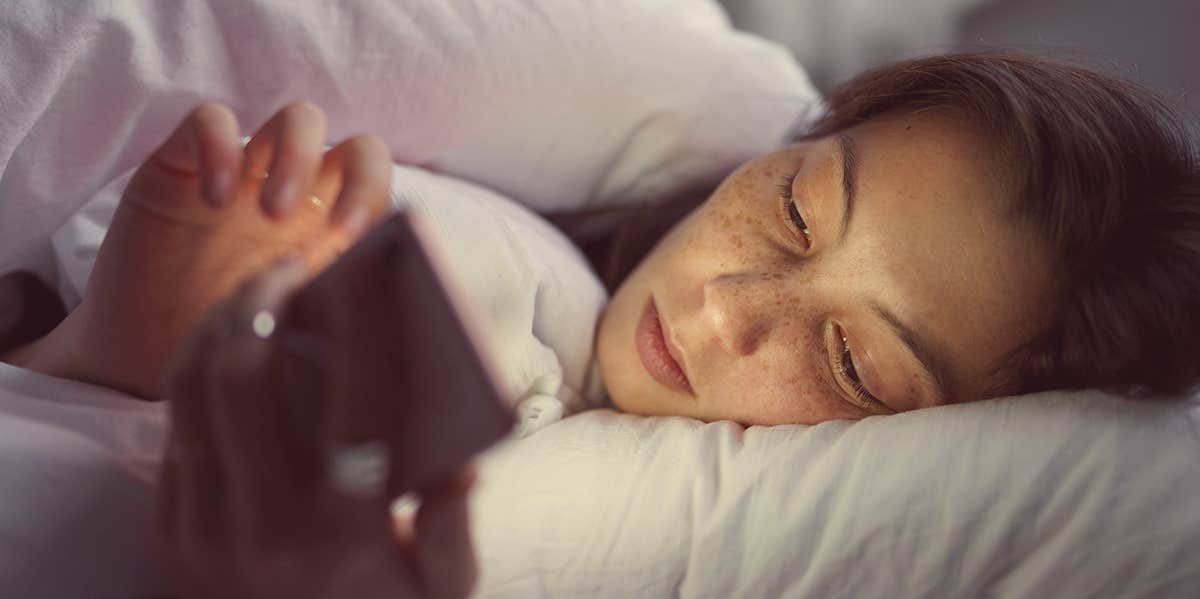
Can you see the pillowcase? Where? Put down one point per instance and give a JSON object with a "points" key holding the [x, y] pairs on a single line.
{"points": [[557, 104], [1051, 495]]}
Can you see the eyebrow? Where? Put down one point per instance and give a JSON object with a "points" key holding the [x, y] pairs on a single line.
{"points": [[849, 179], [933, 358]]}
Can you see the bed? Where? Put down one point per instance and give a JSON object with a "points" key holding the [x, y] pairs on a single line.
{"points": [[562, 105]]}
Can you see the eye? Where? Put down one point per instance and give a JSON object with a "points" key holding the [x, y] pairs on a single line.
{"points": [[848, 364], [849, 373], [787, 206]]}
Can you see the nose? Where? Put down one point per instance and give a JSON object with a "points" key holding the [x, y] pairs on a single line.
{"points": [[739, 307]]}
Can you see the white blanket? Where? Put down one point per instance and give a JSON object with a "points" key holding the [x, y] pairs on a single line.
{"points": [[77, 465], [70, 452], [557, 104]]}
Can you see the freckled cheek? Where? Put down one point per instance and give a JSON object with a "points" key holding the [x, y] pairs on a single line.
{"points": [[729, 232], [799, 391], [776, 388], [776, 396]]}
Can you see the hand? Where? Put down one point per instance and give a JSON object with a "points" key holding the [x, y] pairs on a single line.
{"points": [[247, 509], [286, 153]]}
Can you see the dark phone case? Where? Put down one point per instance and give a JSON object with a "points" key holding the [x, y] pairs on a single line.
{"points": [[410, 348]]}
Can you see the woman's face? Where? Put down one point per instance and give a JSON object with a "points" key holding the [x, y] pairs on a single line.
{"points": [[892, 281]]}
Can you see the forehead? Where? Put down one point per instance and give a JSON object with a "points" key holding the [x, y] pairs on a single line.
{"points": [[932, 223]]}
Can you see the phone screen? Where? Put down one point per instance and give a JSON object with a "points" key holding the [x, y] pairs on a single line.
{"points": [[396, 334]]}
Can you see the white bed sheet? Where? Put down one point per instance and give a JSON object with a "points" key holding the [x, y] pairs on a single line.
{"points": [[555, 104], [1051, 495]]}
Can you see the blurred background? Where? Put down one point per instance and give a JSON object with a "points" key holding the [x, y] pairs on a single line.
{"points": [[1153, 42]]}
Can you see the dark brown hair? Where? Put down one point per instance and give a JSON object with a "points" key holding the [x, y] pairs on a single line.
{"points": [[1105, 172], [616, 239]]}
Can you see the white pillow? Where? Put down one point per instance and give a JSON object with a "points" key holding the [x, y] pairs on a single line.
{"points": [[557, 104], [1054, 495], [538, 297]]}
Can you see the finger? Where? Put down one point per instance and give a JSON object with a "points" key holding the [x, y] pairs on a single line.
{"points": [[443, 554], [362, 168], [195, 477], [205, 145], [165, 509], [248, 407], [404, 520], [288, 148], [165, 541]]}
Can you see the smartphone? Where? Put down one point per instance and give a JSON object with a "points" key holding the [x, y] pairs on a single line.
{"points": [[388, 331]]}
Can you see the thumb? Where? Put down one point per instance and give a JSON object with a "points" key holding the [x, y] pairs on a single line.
{"points": [[442, 554]]}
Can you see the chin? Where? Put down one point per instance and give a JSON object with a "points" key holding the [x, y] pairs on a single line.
{"points": [[623, 404], [618, 402], [609, 376], [622, 392]]}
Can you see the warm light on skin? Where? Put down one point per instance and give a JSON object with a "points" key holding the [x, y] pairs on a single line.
{"points": [[756, 314]]}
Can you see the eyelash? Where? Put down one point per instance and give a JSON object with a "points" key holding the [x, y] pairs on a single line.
{"points": [[788, 209], [846, 365]]}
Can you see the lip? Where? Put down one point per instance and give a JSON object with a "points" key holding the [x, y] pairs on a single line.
{"points": [[657, 354]]}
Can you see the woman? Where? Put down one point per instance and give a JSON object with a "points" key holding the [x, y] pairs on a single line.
{"points": [[956, 228]]}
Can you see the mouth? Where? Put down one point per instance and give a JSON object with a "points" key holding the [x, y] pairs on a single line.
{"points": [[657, 355]]}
